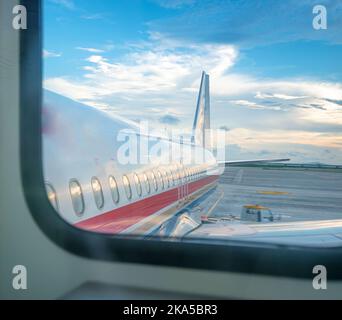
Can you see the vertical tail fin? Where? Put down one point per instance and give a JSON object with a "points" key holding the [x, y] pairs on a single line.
{"points": [[201, 125]]}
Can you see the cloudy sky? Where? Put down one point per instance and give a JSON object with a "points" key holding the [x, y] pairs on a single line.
{"points": [[276, 83]]}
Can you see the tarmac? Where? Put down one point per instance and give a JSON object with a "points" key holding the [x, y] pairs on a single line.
{"points": [[297, 194]]}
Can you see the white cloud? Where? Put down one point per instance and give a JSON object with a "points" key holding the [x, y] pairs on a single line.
{"points": [[299, 146], [254, 105], [155, 69], [92, 50], [164, 68], [253, 138], [95, 16], [74, 90], [161, 77], [260, 95], [69, 4], [50, 54]]}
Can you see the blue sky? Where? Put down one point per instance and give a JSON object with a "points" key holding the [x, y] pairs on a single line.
{"points": [[276, 83]]}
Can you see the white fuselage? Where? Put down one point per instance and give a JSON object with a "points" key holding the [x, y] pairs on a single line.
{"points": [[80, 145]]}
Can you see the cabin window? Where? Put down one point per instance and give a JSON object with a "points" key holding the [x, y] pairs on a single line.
{"points": [[181, 175], [154, 181], [89, 142], [97, 191], [160, 178], [114, 189], [76, 197], [138, 184], [166, 179], [127, 187], [147, 183], [187, 175], [52, 195], [171, 179], [176, 177]]}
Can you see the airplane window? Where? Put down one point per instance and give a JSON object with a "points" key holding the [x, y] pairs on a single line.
{"points": [[97, 191], [182, 175], [52, 195], [138, 184], [160, 178], [114, 189], [154, 181], [179, 176], [76, 196], [175, 177], [127, 187], [187, 175], [171, 179], [147, 183], [166, 179], [209, 95]]}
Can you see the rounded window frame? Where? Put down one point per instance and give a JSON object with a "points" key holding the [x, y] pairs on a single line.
{"points": [[171, 178], [81, 213], [147, 183], [49, 185], [166, 179], [127, 186], [138, 186], [161, 180], [177, 177], [100, 192], [154, 181], [187, 254], [112, 189]]}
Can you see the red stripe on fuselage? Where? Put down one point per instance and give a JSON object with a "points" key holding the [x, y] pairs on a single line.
{"points": [[124, 217]]}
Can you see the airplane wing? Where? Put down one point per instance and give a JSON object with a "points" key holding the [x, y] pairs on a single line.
{"points": [[254, 161]]}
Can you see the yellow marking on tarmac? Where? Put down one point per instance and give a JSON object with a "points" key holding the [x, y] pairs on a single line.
{"points": [[274, 193], [255, 206]]}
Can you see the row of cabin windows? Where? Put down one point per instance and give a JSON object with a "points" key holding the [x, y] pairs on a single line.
{"points": [[162, 178]]}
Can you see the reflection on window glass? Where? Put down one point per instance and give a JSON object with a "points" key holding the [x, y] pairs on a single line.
{"points": [[154, 181], [147, 183], [76, 197], [127, 187], [166, 179], [176, 176], [98, 194], [137, 184], [171, 179], [161, 180], [114, 189], [52, 195]]}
